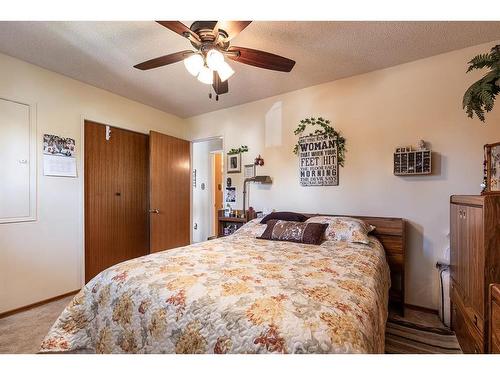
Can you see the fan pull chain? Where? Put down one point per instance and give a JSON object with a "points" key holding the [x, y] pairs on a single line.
{"points": [[210, 96]]}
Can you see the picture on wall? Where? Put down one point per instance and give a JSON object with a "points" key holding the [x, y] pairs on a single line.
{"points": [[249, 170], [492, 169], [233, 163], [230, 194], [55, 145], [318, 160], [58, 156]]}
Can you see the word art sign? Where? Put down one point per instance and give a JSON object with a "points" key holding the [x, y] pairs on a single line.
{"points": [[318, 160]]}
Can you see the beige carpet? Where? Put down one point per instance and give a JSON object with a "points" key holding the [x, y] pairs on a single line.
{"points": [[23, 332]]}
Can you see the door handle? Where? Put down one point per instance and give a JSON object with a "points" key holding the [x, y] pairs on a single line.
{"points": [[154, 211]]}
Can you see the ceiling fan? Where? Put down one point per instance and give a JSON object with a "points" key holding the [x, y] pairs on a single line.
{"points": [[212, 39]]}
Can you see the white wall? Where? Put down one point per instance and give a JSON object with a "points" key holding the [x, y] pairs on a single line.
{"points": [[202, 198], [376, 112], [44, 258]]}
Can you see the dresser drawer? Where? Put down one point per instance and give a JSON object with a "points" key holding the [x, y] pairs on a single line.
{"points": [[495, 328], [494, 338], [474, 319], [468, 337]]}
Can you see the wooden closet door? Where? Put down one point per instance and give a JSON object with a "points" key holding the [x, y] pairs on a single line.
{"points": [[170, 188], [116, 197]]}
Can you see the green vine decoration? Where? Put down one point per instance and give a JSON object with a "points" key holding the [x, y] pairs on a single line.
{"points": [[240, 150], [325, 129]]}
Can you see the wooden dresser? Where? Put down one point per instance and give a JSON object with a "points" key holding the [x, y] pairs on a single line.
{"points": [[474, 264], [495, 319]]}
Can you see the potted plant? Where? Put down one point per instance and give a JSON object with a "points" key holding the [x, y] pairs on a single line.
{"points": [[480, 96]]}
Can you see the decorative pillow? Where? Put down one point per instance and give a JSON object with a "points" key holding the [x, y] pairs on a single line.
{"points": [[344, 228], [293, 231], [284, 216]]}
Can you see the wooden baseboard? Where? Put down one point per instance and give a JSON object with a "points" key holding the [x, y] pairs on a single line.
{"points": [[420, 308], [36, 304]]}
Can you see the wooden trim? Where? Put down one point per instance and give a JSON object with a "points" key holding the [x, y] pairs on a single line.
{"points": [[36, 304], [421, 308]]}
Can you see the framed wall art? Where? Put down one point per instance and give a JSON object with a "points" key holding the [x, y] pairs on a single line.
{"points": [[320, 153], [491, 183], [318, 160], [230, 194], [233, 163], [249, 170]]}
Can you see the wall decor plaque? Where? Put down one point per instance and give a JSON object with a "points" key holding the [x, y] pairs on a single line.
{"points": [[318, 160]]}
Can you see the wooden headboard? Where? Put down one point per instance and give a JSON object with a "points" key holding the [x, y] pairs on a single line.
{"points": [[391, 232]]}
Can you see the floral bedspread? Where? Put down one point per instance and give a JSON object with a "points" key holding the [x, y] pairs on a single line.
{"points": [[236, 294]]}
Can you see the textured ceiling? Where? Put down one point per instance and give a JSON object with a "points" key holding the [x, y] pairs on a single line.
{"points": [[103, 53]]}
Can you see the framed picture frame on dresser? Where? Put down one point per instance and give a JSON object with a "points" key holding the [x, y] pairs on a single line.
{"points": [[491, 169]]}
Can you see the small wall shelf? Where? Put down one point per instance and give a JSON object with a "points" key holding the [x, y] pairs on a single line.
{"points": [[413, 163]]}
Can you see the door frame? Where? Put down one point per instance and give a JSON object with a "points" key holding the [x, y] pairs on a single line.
{"points": [[212, 177], [81, 169], [199, 140]]}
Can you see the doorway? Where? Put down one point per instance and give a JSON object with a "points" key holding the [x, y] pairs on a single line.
{"points": [[207, 187], [217, 173]]}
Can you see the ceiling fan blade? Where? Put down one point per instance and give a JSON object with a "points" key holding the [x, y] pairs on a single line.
{"points": [[260, 59], [232, 28], [219, 86], [181, 29], [164, 60]]}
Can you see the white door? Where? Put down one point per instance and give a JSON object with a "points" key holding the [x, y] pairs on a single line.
{"points": [[15, 160]]}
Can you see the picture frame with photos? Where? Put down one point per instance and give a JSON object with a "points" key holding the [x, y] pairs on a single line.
{"points": [[230, 194], [234, 163], [492, 169], [249, 171]]}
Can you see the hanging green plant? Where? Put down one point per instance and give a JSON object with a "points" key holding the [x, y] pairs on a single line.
{"points": [[239, 150], [480, 96], [326, 129]]}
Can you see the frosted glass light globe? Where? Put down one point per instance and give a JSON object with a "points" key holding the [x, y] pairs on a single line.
{"points": [[194, 63], [214, 59], [225, 71], [206, 75]]}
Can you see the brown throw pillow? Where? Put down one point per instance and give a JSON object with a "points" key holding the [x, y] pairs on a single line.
{"points": [[293, 231], [285, 216]]}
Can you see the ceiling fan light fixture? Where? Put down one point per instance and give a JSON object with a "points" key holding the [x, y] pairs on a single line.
{"points": [[206, 75], [214, 59], [225, 71], [194, 64]]}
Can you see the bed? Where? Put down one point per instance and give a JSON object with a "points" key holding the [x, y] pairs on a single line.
{"points": [[238, 294]]}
